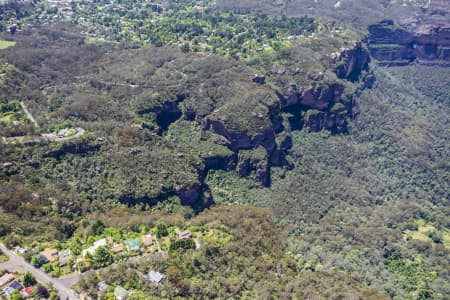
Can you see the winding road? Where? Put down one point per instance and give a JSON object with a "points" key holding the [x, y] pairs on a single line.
{"points": [[17, 263], [46, 137], [43, 138]]}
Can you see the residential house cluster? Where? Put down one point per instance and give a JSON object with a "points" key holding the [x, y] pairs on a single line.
{"points": [[122, 294], [145, 241], [51, 255], [9, 283], [132, 245]]}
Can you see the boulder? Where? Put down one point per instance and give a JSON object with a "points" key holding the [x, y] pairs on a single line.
{"points": [[260, 79]]}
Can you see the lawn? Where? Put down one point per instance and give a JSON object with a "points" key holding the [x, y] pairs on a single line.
{"points": [[6, 44], [12, 118]]}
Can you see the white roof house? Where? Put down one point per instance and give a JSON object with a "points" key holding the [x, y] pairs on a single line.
{"points": [[97, 244], [120, 293], [155, 276]]}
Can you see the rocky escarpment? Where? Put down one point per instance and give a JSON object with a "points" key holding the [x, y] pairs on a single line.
{"points": [[319, 103], [186, 116], [426, 43], [350, 62], [258, 131], [323, 104]]}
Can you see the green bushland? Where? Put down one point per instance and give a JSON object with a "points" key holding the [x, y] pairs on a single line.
{"points": [[246, 260], [342, 204]]}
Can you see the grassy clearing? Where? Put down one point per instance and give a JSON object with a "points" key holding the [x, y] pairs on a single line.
{"points": [[6, 44], [424, 231]]}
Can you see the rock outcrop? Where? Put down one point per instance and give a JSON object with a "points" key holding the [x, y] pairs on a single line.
{"points": [[351, 62], [426, 43], [336, 123], [254, 163], [260, 137], [242, 142], [323, 104]]}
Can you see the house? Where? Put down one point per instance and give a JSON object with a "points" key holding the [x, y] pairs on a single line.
{"points": [[6, 278], [120, 293], [102, 286], [117, 248], [50, 254], [64, 257], [147, 239], [62, 132], [133, 245], [21, 250], [182, 235], [26, 292], [97, 244], [155, 277], [14, 286]]}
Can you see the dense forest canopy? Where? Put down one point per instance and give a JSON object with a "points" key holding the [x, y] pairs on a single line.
{"points": [[267, 149]]}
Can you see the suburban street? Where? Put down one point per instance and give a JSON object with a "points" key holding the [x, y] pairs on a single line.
{"points": [[17, 263]]}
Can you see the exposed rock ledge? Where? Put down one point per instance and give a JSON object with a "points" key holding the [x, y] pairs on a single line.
{"points": [[392, 44], [320, 106]]}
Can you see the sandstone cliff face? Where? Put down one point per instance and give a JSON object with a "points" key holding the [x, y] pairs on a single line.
{"points": [[242, 142], [261, 139], [330, 111], [350, 62], [393, 44], [334, 122], [317, 96], [254, 163]]}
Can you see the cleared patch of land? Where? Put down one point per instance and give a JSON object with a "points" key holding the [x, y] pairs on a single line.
{"points": [[426, 231], [6, 44]]}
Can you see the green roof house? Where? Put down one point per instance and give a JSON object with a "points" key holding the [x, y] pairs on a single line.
{"points": [[133, 245]]}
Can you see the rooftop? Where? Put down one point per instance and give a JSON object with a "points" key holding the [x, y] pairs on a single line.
{"points": [[155, 276], [148, 239], [6, 278], [97, 244], [186, 234], [26, 292], [120, 293], [102, 286], [14, 286], [50, 254], [117, 248], [133, 244]]}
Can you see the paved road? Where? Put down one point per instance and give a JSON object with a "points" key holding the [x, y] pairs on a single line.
{"points": [[18, 263], [54, 138], [29, 115]]}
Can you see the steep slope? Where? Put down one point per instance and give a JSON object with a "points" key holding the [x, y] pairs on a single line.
{"points": [[351, 157], [349, 199]]}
